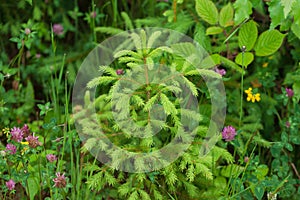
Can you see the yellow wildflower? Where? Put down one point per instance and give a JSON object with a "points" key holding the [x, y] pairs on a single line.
{"points": [[249, 91], [251, 97], [257, 97], [25, 143]]}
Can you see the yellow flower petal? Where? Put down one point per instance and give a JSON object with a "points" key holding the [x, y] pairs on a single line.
{"points": [[249, 91], [25, 143], [257, 97]]}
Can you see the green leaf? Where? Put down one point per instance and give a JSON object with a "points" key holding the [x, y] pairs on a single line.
{"points": [[37, 13], [201, 37], [248, 58], [296, 12], [296, 88], [287, 4], [108, 30], [213, 30], [247, 35], [127, 20], [169, 107], [210, 61], [231, 170], [261, 171], [243, 9], [29, 96], [29, 1], [226, 16], [229, 63], [296, 29], [207, 10], [33, 186], [259, 191], [289, 147], [276, 13], [15, 39], [134, 196], [268, 42]]}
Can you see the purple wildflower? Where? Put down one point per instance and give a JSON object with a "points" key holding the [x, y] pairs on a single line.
{"points": [[228, 133], [289, 92], [93, 14], [25, 130], [10, 184], [60, 180], [12, 148], [51, 157], [33, 141], [58, 29], [288, 124], [222, 72], [27, 31], [119, 71], [38, 55], [246, 159], [16, 134]]}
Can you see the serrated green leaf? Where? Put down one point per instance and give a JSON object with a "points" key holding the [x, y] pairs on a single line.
{"points": [[247, 35], [134, 196], [108, 30], [169, 107], [287, 6], [127, 20], [213, 30], [226, 16], [103, 80], [153, 38], [191, 85], [268, 42], [276, 13], [248, 58], [243, 9], [201, 37], [231, 170], [207, 10], [144, 195]]}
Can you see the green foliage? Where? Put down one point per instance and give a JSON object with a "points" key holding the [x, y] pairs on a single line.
{"points": [[244, 59], [255, 41], [268, 42], [243, 9], [226, 16], [247, 35]]}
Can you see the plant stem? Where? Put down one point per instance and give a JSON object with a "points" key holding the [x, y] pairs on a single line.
{"points": [[242, 88]]}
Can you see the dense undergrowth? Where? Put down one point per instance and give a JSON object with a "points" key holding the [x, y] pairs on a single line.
{"points": [[251, 47]]}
